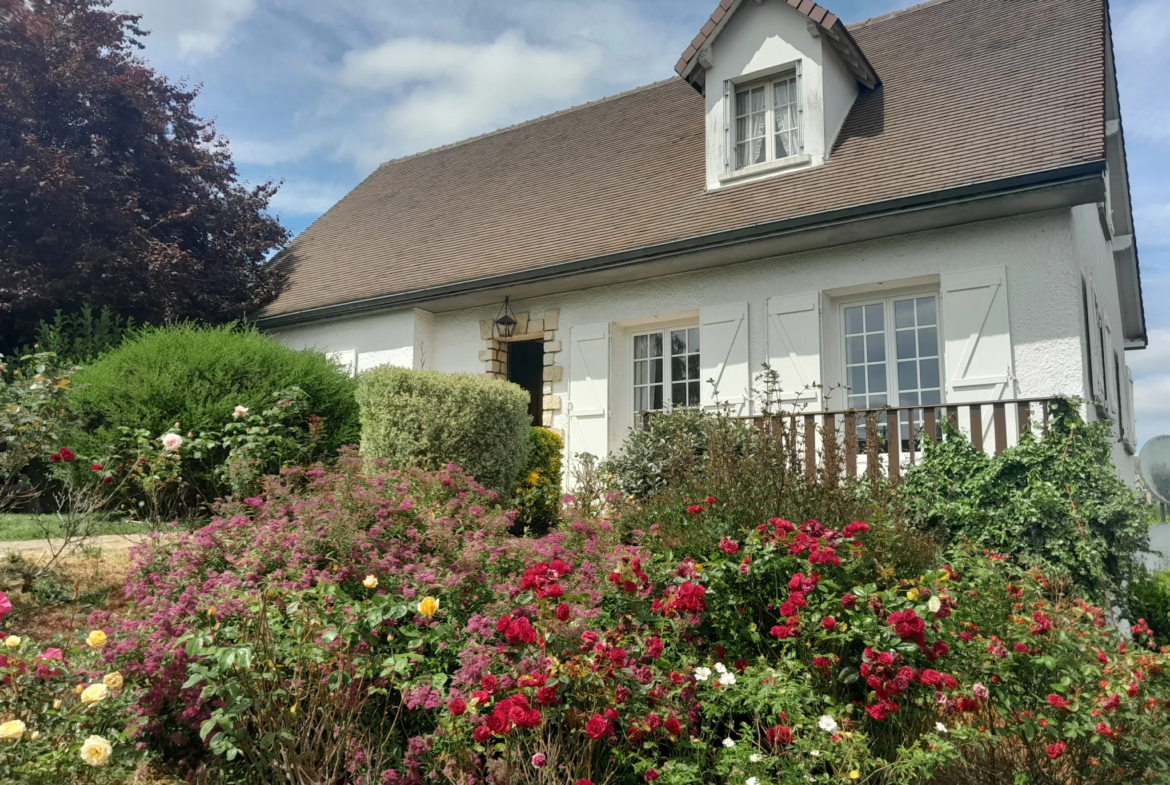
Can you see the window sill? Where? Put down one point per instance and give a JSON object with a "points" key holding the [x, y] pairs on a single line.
{"points": [[779, 165]]}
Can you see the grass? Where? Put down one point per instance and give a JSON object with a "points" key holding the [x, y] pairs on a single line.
{"points": [[35, 527]]}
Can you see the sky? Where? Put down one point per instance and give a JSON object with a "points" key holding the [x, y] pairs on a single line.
{"points": [[317, 94]]}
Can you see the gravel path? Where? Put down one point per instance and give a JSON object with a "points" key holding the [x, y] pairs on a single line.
{"points": [[105, 541]]}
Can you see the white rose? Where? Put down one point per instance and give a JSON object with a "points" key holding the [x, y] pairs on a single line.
{"points": [[370, 582], [702, 674], [727, 679], [172, 442], [96, 751], [12, 641], [827, 724], [241, 411], [720, 667], [756, 757], [752, 781], [12, 730], [938, 726], [729, 743], [95, 693]]}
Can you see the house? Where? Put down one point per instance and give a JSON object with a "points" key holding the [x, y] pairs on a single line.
{"points": [[928, 208]]}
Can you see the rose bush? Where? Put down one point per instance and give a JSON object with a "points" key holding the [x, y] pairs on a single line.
{"points": [[797, 652]]}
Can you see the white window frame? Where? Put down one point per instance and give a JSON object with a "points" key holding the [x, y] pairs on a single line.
{"points": [[891, 362], [767, 80], [667, 380]]}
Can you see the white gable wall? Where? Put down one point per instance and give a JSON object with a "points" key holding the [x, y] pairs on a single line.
{"points": [[1040, 255]]}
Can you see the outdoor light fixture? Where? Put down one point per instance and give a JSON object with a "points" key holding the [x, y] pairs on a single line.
{"points": [[506, 321]]}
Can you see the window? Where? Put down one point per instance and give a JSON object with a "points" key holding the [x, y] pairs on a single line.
{"points": [[666, 369], [892, 355], [1088, 335], [1121, 416], [767, 120]]}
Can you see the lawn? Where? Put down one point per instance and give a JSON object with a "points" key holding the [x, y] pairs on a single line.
{"points": [[32, 527]]}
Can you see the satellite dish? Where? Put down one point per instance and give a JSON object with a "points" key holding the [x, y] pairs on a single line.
{"points": [[1154, 467]]}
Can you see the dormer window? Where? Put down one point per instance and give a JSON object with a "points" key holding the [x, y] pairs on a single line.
{"points": [[767, 120]]}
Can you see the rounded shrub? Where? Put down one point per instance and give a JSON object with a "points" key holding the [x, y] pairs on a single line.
{"points": [[197, 375], [426, 420]]}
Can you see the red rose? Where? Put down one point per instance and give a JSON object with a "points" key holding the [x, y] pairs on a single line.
{"points": [[55, 458], [97, 467], [711, 500], [877, 711], [651, 775], [563, 612], [598, 727], [107, 480], [653, 721], [498, 722], [502, 624], [654, 648], [1056, 750], [849, 601], [489, 683], [612, 714], [546, 696], [778, 735], [730, 547], [481, 697], [583, 782], [1057, 702], [67, 455], [694, 508], [673, 727], [457, 707], [931, 677], [828, 622], [481, 734], [787, 609]]}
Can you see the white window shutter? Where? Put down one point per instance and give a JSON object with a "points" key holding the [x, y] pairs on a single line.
{"points": [[346, 358], [723, 357], [977, 335], [794, 346], [589, 390]]}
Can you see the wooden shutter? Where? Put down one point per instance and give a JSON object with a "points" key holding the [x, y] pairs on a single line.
{"points": [[794, 346], [347, 359], [723, 357], [589, 390], [978, 343]]}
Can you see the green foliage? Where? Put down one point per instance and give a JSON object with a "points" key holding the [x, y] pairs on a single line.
{"points": [[538, 492], [426, 419], [80, 338], [649, 454], [1149, 599], [34, 422], [195, 376], [1022, 501]]}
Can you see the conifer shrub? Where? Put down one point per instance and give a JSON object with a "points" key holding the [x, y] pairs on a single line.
{"points": [[426, 419]]}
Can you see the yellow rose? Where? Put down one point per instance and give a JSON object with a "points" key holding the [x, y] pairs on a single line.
{"points": [[11, 730], [428, 607], [96, 639], [79, 688], [96, 751], [57, 703], [370, 582], [912, 595], [855, 774], [12, 641], [95, 693], [36, 734], [113, 680]]}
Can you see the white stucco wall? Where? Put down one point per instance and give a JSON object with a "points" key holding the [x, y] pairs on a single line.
{"points": [[759, 39], [1038, 251]]}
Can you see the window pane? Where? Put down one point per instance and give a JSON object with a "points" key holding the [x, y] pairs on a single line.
{"points": [[927, 311], [877, 401], [757, 99], [693, 394], [875, 319], [640, 344], [875, 348], [641, 398], [678, 368], [854, 350], [908, 375], [655, 344], [640, 372], [906, 348], [657, 397], [931, 397], [678, 341], [857, 402], [853, 321], [782, 146], [781, 89], [741, 103], [929, 370], [928, 342], [903, 314], [693, 339], [693, 366], [907, 399], [857, 380], [678, 394], [656, 371], [876, 378]]}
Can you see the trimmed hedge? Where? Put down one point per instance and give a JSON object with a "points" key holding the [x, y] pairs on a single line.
{"points": [[426, 419], [197, 375]]}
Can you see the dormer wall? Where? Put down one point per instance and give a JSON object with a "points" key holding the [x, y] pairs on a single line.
{"points": [[760, 40]]}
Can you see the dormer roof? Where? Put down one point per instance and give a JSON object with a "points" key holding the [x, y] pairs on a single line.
{"points": [[820, 18]]}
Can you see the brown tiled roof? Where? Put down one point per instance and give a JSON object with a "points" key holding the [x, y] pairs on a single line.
{"points": [[826, 20], [973, 91]]}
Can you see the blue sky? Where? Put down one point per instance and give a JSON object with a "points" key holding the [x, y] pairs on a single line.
{"points": [[317, 94]]}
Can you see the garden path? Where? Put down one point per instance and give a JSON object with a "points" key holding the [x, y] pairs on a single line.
{"points": [[105, 542]]}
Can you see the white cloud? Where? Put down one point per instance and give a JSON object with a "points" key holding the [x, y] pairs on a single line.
{"points": [[307, 197], [1141, 37], [1153, 224], [445, 91], [189, 29]]}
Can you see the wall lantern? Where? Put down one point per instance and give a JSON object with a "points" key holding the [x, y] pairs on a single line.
{"points": [[506, 322]]}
